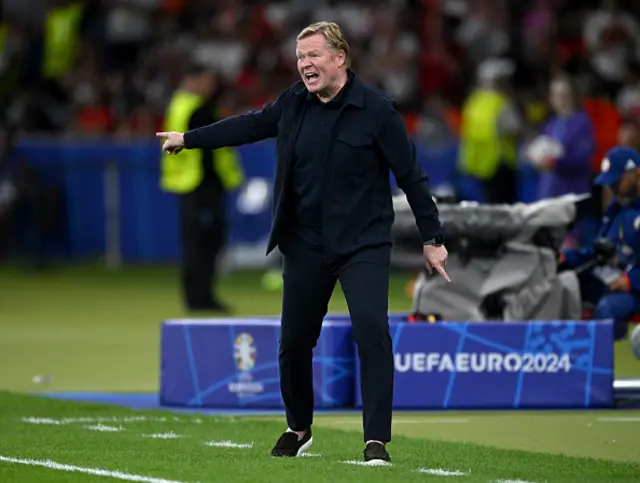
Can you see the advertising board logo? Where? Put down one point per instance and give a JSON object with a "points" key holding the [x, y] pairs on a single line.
{"points": [[244, 356], [478, 362], [244, 352]]}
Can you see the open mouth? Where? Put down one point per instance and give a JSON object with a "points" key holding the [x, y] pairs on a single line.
{"points": [[311, 76]]}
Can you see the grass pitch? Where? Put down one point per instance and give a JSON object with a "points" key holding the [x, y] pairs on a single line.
{"points": [[84, 329], [59, 441]]}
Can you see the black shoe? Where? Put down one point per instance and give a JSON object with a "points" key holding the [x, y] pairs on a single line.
{"points": [[288, 444], [376, 454]]}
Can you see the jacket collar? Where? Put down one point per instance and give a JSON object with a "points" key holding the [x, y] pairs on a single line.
{"points": [[355, 96]]}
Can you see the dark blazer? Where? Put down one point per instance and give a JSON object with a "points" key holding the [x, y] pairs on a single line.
{"points": [[368, 138]]}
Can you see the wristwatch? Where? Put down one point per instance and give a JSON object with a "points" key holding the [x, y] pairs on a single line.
{"points": [[437, 241]]}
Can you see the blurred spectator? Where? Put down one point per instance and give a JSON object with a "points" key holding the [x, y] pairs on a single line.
{"points": [[109, 67], [489, 132], [628, 98], [24, 206], [612, 37], [562, 155], [435, 128], [440, 72], [11, 185], [566, 166], [629, 133], [483, 32], [200, 178]]}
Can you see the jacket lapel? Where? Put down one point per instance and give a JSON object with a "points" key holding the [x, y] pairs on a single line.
{"points": [[299, 110]]}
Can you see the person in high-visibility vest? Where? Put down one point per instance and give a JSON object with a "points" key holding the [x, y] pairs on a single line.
{"points": [[61, 38], [489, 130], [201, 178]]}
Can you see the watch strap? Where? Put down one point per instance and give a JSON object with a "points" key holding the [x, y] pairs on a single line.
{"points": [[436, 241]]}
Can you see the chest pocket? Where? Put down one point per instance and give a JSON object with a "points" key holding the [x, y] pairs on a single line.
{"points": [[354, 153]]}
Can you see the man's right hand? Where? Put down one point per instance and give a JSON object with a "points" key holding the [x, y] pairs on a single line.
{"points": [[174, 141], [436, 258]]}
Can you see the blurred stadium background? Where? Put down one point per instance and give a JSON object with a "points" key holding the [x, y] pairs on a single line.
{"points": [[89, 243]]}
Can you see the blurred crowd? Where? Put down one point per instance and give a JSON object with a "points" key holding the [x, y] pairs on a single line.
{"points": [[110, 67], [118, 61], [99, 66]]}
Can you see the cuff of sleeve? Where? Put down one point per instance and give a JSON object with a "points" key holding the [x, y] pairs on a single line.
{"points": [[437, 239], [188, 140]]}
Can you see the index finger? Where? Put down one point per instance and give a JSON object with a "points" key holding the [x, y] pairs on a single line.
{"points": [[443, 272], [162, 134]]}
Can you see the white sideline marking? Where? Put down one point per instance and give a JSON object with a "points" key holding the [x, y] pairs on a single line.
{"points": [[441, 472], [119, 475], [367, 463], [112, 419], [229, 444], [40, 421], [512, 481], [310, 455], [169, 435], [619, 420], [104, 427]]}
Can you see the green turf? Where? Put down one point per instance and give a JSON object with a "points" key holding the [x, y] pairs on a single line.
{"points": [[592, 434], [188, 459], [93, 330]]}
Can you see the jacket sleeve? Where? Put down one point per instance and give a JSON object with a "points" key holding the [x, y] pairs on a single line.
{"points": [[250, 127], [574, 258], [400, 154]]}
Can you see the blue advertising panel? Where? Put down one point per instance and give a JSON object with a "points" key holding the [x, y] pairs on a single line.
{"points": [[233, 363], [478, 365], [146, 217]]}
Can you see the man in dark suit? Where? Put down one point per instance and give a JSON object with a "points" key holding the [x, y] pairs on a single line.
{"points": [[337, 138]]}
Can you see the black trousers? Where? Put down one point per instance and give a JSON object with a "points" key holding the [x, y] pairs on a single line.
{"points": [[502, 188], [203, 231], [309, 280]]}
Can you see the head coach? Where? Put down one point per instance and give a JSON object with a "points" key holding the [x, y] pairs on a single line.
{"points": [[337, 138]]}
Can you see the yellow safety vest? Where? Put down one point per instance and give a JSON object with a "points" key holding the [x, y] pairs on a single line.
{"points": [[61, 39], [182, 172], [482, 148]]}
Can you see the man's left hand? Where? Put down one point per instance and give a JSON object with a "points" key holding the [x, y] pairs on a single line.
{"points": [[436, 258], [619, 284]]}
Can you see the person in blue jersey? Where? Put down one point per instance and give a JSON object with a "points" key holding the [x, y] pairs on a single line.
{"points": [[613, 283]]}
